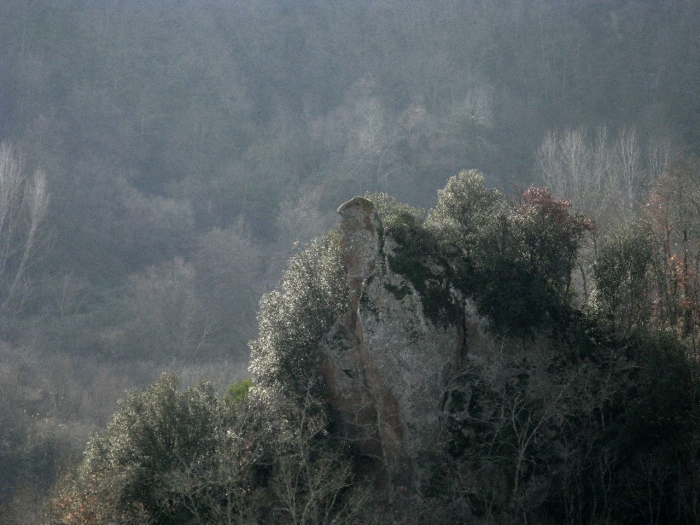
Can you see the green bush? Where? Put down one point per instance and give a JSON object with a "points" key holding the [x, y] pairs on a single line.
{"points": [[237, 392]]}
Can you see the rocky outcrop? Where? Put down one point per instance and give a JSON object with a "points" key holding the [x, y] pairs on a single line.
{"points": [[385, 364]]}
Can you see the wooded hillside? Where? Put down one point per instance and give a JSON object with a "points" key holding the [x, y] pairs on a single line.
{"points": [[159, 161]]}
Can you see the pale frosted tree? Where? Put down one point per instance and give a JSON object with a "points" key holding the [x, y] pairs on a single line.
{"points": [[630, 176], [166, 317], [360, 140], [564, 162], [24, 202], [605, 176], [659, 156]]}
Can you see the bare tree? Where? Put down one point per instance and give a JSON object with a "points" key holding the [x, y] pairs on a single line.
{"points": [[627, 153], [605, 177], [220, 489], [23, 205], [313, 483], [167, 317], [659, 157]]}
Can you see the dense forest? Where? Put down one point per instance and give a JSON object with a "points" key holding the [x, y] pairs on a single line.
{"points": [[166, 166]]}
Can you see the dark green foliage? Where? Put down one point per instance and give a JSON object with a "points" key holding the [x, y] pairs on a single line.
{"points": [[174, 457], [554, 429], [661, 392], [515, 261], [550, 236], [607, 436], [416, 256], [648, 432], [153, 433], [574, 420], [623, 276], [525, 277]]}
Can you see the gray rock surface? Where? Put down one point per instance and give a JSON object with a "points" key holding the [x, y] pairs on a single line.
{"points": [[385, 364]]}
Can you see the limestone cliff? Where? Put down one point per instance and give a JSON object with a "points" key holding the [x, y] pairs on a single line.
{"points": [[385, 364]]}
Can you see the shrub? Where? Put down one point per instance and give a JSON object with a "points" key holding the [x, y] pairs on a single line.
{"points": [[152, 434], [294, 317]]}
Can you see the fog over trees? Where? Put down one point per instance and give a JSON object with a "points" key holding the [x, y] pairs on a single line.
{"points": [[162, 161]]}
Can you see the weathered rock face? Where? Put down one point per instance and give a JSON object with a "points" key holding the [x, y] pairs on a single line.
{"points": [[386, 366]]}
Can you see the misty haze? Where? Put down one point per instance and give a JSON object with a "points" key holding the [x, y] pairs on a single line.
{"points": [[348, 262]]}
